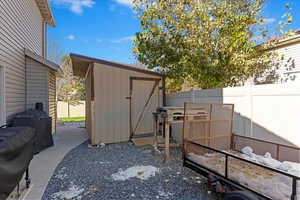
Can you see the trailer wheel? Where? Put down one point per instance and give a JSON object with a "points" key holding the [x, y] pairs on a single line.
{"points": [[240, 195]]}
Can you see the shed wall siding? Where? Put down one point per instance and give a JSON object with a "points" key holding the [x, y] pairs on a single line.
{"points": [[111, 87], [21, 27], [37, 77], [52, 99]]}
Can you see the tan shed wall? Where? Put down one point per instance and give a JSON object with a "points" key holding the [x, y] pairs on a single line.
{"points": [[52, 99], [111, 87], [37, 77], [21, 27]]}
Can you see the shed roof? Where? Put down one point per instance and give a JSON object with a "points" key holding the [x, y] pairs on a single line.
{"points": [[42, 60], [81, 64], [46, 12]]}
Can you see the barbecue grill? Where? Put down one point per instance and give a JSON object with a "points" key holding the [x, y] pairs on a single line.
{"points": [[40, 122], [16, 152]]}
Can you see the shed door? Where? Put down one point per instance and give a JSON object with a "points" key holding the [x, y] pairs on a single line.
{"points": [[144, 99]]}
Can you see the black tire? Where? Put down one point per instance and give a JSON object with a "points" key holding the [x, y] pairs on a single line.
{"points": [[240, 195]]}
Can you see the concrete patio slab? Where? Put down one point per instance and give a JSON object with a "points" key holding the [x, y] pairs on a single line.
{"points": [[44, 164]]}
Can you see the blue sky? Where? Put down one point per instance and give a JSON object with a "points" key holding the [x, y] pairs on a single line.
{"points": [[104, 28]]}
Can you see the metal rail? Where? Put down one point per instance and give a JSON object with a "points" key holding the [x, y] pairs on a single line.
{"points": [[275, 145], [227, 155], [205, 171]]}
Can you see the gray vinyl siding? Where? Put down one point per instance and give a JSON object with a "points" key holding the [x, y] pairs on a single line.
{"points": [[21, 27], [41, 87], [2, 108], [52, 99], [37, 89], [292, 53]]}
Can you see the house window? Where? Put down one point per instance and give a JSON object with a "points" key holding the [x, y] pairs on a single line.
{"points": [[2, 97]]}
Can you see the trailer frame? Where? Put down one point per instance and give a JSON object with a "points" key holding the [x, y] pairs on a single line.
{"points": [[199, 139], [225, 179]]}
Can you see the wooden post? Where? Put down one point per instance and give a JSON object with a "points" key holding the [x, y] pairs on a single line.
{"points": [[167, 141], [68, 109], [277, 152], [209, 125], [155, 126]]}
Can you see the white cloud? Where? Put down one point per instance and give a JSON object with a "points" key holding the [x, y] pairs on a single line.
{"points": [[99, 40], [124, 39], [71, 37], [76, 6], [269, 20], [124, 2]]}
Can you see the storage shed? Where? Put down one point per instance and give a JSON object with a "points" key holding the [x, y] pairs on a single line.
{"points": [[120, 98]]}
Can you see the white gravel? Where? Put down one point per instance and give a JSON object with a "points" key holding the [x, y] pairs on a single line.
{"points": [[74, 192], [141, 172]]}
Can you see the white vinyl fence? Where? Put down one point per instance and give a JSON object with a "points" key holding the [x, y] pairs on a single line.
{"points": [[268, 112], [63, 110]]}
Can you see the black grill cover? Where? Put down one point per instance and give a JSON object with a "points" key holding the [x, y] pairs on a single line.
{"points": [[16, 152], [41, 122]]}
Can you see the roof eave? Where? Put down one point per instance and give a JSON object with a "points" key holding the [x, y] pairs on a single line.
{"points": [[113, 64], [51, 65], [46, 12]]}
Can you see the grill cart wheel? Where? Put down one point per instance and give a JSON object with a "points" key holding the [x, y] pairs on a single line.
{"points": [[240, 195]]}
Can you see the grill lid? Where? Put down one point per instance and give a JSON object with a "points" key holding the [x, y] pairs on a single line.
{"points": [[32, 113], [14, 139]]}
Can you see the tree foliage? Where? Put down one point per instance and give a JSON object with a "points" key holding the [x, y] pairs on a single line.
{"points": [[208, 43], [70, 89]]}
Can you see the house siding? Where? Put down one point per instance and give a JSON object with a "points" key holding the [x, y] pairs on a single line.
{"points": [[292, 53], [52, 99], [21, 27], [2, 94], [41, 88], [37, 90]]}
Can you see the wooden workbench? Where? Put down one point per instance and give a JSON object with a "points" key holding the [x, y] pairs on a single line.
{"points": [[169, 116]]}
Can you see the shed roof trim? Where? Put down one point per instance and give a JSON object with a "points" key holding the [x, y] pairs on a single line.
{"points": [[113, 64], [43, 61], [46, 12]]}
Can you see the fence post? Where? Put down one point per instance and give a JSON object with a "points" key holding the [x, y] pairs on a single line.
{"points": [[193, 98]]}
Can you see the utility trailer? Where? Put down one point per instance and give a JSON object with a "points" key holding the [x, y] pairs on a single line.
{"points": [[211, 149]]}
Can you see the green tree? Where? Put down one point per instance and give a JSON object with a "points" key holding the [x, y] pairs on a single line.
{"points": [[70, 89], [208, 43]]}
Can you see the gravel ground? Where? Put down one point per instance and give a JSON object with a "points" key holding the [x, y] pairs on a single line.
{"points": [[86, 172]]}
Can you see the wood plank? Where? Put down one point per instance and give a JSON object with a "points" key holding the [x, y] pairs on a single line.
{"points": [[143, 141]]}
